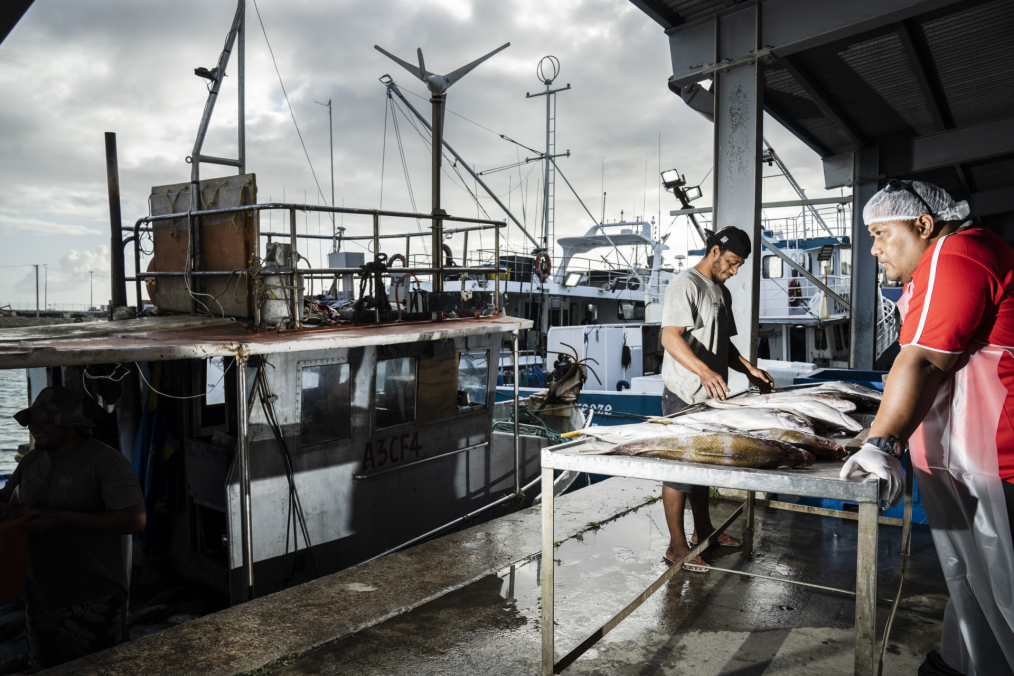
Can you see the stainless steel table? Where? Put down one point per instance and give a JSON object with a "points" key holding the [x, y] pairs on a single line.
{"points": [[818, 481]]}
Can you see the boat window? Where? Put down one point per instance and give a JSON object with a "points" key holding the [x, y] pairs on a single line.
{"points": [[631, 310], [820, 338], [325, 403], [473, 368], [396, 391], [772, 268], [846, 260]]}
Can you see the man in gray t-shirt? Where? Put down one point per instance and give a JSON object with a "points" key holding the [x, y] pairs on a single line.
{"points": [[697, 325], [87, 501]]}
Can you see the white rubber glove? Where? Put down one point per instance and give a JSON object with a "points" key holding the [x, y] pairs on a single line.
{"points": [[872, 460]]}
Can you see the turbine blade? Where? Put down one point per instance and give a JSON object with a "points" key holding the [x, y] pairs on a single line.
{"points": [[404, 64], [422, 64], [464, 70]]}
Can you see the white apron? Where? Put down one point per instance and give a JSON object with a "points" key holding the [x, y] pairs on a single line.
{"points": [[955, 456]]}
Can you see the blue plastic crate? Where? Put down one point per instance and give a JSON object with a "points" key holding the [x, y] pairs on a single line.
{"points": [[871, 379]]}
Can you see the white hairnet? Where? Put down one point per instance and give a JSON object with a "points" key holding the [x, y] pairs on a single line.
{"points": [[902, 205]]}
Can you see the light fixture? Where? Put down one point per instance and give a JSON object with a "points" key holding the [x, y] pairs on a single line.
{"points": [[672, 179], [692, 193], [207, 74], [573, 278], [386, 80]]}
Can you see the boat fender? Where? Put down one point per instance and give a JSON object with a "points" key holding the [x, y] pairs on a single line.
{"points": [[622, 385], [397, 257], [543, 265]]}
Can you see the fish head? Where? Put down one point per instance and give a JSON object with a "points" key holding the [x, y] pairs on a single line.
{"points": [[795, 422]]}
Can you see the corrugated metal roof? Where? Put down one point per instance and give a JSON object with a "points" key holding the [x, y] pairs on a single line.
{"points": [[972, 55], [782, 89], [689, 10]]}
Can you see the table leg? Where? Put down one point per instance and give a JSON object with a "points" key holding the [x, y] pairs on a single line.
{"points": [[748, 509], [548, 652], [866, 589]]}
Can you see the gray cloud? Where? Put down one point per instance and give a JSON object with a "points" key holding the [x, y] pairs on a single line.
{"points": [[71, 71]]}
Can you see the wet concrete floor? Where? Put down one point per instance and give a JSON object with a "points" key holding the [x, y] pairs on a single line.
{"points": [[701, 624]]}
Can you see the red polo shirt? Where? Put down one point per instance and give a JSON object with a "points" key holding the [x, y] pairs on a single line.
{"points": [[962, 292]]}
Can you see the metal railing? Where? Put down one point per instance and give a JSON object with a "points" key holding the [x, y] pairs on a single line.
{"points": [[888, 329], [788, 297], [437, 270]]}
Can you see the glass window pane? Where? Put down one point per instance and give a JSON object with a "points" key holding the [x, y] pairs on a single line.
{"points": [[216, 381], [772, 268], [396, 389], [473, 368], [325, 404]]}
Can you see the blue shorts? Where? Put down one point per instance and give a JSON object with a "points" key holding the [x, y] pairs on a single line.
{"points": [[673, 404]]}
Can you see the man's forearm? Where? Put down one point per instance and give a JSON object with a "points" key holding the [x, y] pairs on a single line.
{"points": [[908, 395], [119, 522], [736, 360], [676, 345]]}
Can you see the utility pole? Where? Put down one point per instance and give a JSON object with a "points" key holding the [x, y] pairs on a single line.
{"points": [[45, 286], [91, 289], [36, 289], [330, 125]]}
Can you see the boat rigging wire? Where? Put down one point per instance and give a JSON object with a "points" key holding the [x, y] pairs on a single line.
{"points": [[383, 151], [404, 166], [287, 102]]}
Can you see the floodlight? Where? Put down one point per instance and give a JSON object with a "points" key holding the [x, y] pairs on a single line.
{"points": [[211, 75], [386, 80], [573, 278], [692, 193], [672, 179]]}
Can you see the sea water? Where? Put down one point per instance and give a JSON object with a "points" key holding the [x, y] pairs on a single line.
{"points": [[13, 398]]}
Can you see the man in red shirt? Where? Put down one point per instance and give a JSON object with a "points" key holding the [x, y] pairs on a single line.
{"points": [[950, 398]]}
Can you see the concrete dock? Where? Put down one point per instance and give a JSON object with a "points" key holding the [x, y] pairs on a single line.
{"points": [[469, 603]]}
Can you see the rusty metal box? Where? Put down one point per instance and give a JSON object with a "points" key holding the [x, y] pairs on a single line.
{"points": [[228, 242]]}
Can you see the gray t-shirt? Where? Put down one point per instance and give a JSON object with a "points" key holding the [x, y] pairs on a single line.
{"points": [[71, 565], [704, 309]]}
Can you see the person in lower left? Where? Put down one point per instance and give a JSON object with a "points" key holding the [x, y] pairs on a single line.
{"points": [[87, 502]]}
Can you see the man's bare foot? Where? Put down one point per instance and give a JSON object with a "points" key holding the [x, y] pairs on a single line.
{"points": [[674, 554]]}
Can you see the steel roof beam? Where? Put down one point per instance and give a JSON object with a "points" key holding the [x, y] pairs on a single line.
{"points": [[793, 125], [955, 146], [921, 76], [823, 99], [788, 27], [659, 12]]}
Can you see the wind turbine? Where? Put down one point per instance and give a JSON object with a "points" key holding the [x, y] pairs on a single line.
{"points": [[438, 86]]}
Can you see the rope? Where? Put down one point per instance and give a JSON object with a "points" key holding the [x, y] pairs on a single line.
{"points": [[172, 208], [529, 425]]}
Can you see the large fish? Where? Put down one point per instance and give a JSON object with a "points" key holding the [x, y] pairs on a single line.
{"points": [[837, 403], [811, 408], [747, 419], [819, 446], [733, 450], [855, 393]]}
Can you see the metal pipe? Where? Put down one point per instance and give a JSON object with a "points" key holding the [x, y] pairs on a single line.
{"points": [[318, 207], [517, 415], [496, 266], [294, 310], [241, 82], [866, 588], [208, 159], [377, 282], [465, 164], [137, 265], [244, 478], [118, 290], [360, 475], [311, 272]]}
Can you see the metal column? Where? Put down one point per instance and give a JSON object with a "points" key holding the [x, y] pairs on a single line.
{"points": [[863, 342], [515, 356], [739, 119], [244, 478], [866, 590], [241, 83], [294, 307], [548, 533], [118, 293], [437, 224]]}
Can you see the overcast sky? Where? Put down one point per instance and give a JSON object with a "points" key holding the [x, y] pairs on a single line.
{"points": [[70, 71]]}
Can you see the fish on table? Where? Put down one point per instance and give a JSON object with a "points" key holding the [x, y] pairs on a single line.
{"points": [[804, 406], [822, 448], [835, 402], [863, 396], [748, 419], [716, 448]]}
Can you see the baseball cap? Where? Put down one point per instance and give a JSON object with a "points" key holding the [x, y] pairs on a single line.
{"points": [[55, 405], [731, 239]]}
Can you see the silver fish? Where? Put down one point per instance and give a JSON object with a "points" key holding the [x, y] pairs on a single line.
{"points": [[837, 403], [811, 408], [747, 419], [853, 392]]}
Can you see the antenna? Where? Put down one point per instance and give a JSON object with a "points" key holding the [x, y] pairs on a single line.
{"points": [[438, 86]]}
